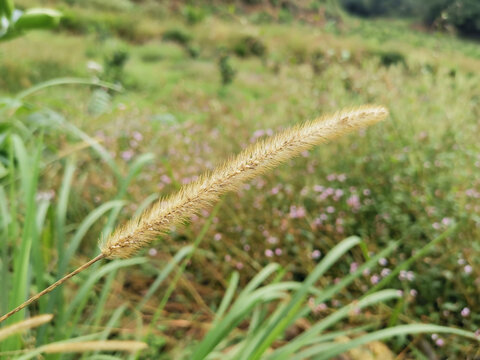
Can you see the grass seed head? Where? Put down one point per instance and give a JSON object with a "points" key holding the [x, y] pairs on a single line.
{"points": [[25, 325], [87, 346], [251, 162]]}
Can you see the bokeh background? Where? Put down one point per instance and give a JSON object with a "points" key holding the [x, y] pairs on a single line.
{"points": [[200, 80]]}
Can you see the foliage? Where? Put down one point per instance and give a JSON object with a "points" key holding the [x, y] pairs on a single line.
{"points": [[193, 51], [292, 304], [177, 35], [462, 14], [317, 60], [434, 10], [368, 8], [31, 212], [465, 16], [193, 15], [99, 103], [132, 27], [227, 72], [182, 38], [249, 46], [114, 64], [388, 58], [14, 22]]}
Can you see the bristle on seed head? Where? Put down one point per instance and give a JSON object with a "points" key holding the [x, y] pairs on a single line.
{"points": [[251, 162]]}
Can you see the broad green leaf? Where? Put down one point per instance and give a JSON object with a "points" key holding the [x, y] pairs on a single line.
{"points": [[38, 19]]}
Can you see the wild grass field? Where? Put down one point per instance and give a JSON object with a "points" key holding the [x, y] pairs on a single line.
{"points": [[199, 83]]}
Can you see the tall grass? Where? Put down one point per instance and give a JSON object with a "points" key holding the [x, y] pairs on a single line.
{"points": [[266, 328], [36, 229], [163, 215]]}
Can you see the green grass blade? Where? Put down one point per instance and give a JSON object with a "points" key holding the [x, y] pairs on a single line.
{"points": [[258, 316], [138, 332], [103, 153], [4, 222], [332, 290], [55, 299], [134, 169], [285, 353], [163, 274], [86, 224], [315, 330], [38, 251], [12, 232], [237, 313], [78, 303], [66, 81], [102, 300], [339, 348], [62, 206], [227, 299], [181, 270], [312, 352], [112, 322], [283, 319], [28, 167], [258, 279]]}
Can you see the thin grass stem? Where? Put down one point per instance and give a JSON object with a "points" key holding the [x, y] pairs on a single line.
{"points": [[52, 287]]}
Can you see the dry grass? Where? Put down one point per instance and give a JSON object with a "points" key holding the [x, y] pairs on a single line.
{"points": [[253, 161], [86, 346], [25, 325]]}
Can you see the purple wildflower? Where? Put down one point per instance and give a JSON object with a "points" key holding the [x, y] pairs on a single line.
{"points": [[465, 312]]}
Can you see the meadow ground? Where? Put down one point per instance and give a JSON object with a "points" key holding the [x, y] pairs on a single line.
{"points": [[408, 179]]}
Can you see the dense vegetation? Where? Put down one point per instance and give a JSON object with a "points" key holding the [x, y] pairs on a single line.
{"points": [[463, 15], [199, 83]]}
